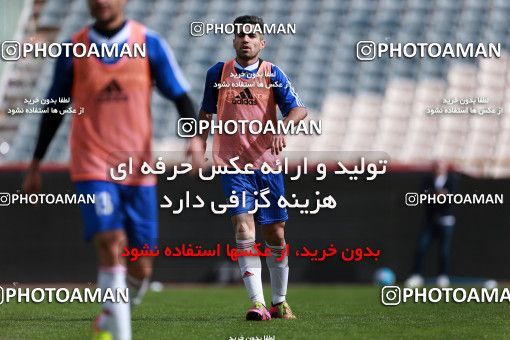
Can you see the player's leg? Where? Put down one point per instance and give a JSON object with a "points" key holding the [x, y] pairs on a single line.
{"points": [[115, 317], [244, 230], [278, 265], [273, 220], [103, 225], [416, 279], [138, 279], [140, 204], [445, 237], [274, 237], [250, 266]]}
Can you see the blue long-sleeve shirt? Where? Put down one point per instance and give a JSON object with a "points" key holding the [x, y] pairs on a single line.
{"points": [[285, 96], [165, 72]]}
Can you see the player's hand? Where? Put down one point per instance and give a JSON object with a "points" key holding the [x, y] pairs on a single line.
{"points": [[32, 182], [196, 150], [277, 144]]}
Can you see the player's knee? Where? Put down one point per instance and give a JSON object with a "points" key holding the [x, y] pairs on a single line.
{"points": [[274, 233], [109, 246], [243, 231], [141, 269], [145, 271]]}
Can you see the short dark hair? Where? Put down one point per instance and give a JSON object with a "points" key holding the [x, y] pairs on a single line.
{"points": [[250, 19]]}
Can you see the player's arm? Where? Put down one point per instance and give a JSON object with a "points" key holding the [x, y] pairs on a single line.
{"points": [[296, 115], [291, 106], [452, 182], [210, 99], [171, 83], [167, 75], [50, 122], [204, 116]]}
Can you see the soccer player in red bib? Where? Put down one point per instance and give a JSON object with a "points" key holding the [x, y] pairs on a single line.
{"points": [[116, 124], [251, 89]]}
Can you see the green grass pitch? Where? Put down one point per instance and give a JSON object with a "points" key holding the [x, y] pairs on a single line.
{"points": [[323, 311]]}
